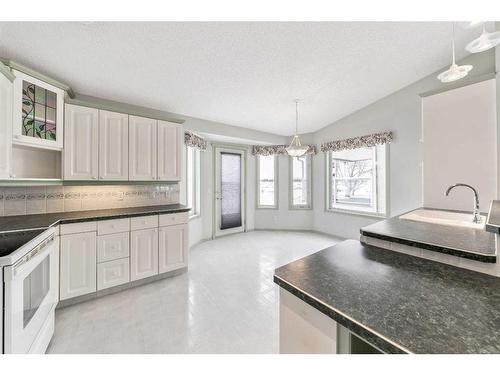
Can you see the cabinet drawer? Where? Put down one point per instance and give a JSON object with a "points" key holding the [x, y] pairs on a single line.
{"points": [[87, 226], [174, 219], [113, 273], [113, 226], [144, 222], [112, 246]]}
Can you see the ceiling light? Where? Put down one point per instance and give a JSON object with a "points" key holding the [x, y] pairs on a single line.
{"points": [[484, 42], [455, 72], [296, 148]]}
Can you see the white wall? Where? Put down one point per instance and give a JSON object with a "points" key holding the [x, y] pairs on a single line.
{"points": [[401, 113], [460, 145]]}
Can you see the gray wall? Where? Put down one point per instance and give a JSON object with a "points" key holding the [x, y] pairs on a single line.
{"points": [[401, 113]]}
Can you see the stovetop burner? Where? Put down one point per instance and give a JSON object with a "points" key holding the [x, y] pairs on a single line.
{"points": [[10, 242]]}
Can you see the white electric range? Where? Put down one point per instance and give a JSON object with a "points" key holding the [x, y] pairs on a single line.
{"points": [[29, 275]]}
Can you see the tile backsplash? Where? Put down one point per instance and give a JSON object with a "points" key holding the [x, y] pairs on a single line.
{"points": [[46, 199]]}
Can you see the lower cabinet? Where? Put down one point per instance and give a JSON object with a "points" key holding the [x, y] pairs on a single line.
{"points": [[77, 265], [113, 273], [143, 253], [173, 247], [97, 255]]}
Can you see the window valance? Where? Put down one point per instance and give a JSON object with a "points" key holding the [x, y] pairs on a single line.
{"points": [[358, 142], [278, 150], [193, 140]]}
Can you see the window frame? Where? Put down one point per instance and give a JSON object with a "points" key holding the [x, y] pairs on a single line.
{"points": [[196, 177], [276, 184], [382, 210], [309, 204]]}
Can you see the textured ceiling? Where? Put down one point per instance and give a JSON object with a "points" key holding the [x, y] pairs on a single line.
{"points": [[243, 74]]}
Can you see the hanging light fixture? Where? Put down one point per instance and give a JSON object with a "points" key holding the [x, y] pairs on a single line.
{"points": [[296, 148], [454, 72], [485, 41]]}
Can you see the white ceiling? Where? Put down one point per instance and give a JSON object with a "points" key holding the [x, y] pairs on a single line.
{"points": [[243, 74]]}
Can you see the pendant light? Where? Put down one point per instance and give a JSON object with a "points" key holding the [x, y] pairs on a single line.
{"points": [[296, 148], [484, 42], [454, 72]]}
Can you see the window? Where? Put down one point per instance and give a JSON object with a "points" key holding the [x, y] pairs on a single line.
{"points": [[267, 181], [300, 181], [357, 180], [193, 180]]}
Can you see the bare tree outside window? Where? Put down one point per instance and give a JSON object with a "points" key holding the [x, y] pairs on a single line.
{"points": [[353, 178]]}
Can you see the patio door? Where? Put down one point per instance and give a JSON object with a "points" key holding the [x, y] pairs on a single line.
{"points": [[229, 191]]}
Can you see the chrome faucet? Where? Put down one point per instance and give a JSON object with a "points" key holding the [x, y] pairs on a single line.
{"points": [[476, 214]]}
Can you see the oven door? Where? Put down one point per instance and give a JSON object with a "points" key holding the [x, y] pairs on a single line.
{"points": [[30, 296]]}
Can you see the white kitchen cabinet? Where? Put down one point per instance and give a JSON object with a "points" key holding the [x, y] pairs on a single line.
{"points": [[170, 146], [113, 146], [77, 264], [143, 253], [113, 273], [172, 247], [38, 113], [112, 246], [81, 143], [5, 127], [142, 148]]}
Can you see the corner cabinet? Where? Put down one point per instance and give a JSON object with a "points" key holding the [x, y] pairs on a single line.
{"points": [[142, 149], [38, 113], [81, 147], [170, 141], [113, 146]]}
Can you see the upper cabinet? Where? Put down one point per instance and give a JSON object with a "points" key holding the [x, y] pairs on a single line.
{"points": [[170, 140], [142, 148], [38, 119], [113, 146], [5, 126], [81, 143]]}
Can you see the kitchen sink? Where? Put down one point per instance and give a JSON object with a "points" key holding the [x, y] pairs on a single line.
{"points": [[456, 219]]}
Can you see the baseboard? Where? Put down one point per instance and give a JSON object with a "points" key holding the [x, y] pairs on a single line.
{"points": [[118, 288]]}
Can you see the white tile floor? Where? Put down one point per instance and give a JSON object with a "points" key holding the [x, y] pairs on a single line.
{"points": [[226, 302]]}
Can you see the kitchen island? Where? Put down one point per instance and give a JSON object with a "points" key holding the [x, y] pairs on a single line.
{"points": [[394, 302]]}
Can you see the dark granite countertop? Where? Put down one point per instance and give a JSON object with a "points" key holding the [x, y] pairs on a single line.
{"points": [[397, 302], [493, 219], [42, 221], [476, 244]]}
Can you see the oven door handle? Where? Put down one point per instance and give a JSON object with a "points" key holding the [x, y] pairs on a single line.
{"points": [[18, 267]]}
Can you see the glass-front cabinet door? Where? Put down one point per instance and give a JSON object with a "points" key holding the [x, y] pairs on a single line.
{"points": [[38, 113]]}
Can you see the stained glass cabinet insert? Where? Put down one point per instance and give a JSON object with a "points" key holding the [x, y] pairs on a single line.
{"points": [[38, 113]]}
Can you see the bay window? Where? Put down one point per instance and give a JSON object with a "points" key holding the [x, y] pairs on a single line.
{"points": [[300, 182], [357, 180], [193, 180], [267, 182]]}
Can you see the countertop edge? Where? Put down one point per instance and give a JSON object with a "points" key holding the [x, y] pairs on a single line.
{"points": [[492, 225], [370, 335], [100, 218], [461, 253]]}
